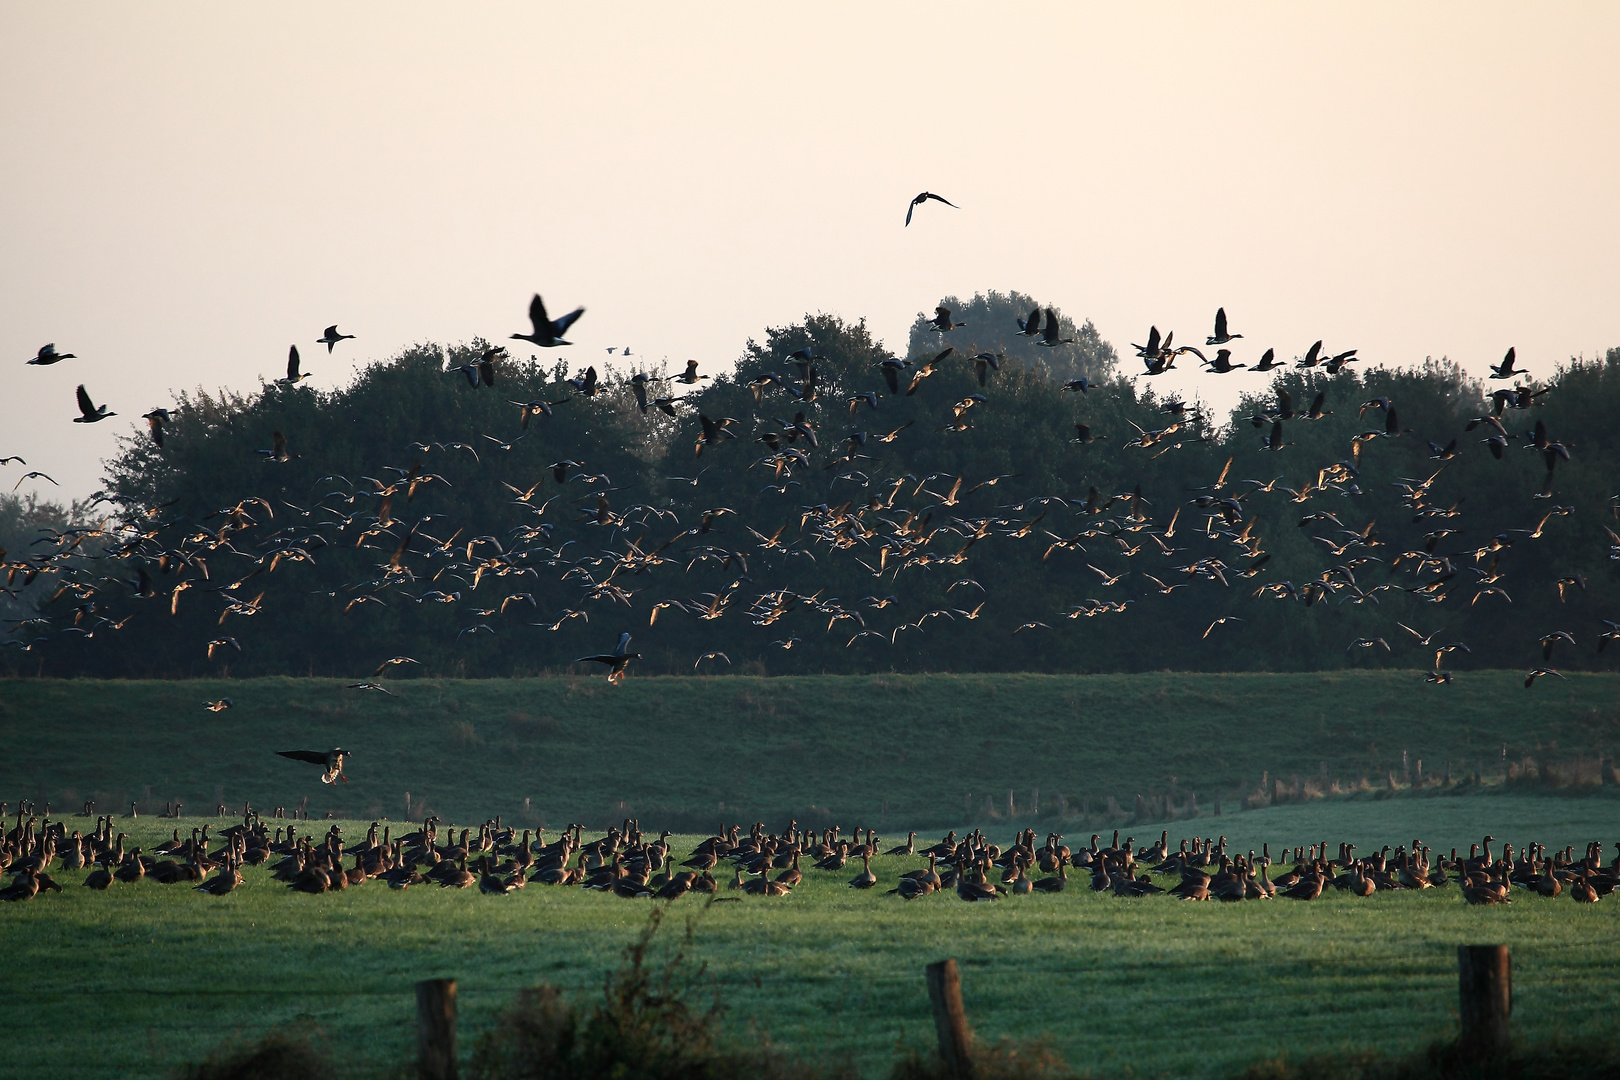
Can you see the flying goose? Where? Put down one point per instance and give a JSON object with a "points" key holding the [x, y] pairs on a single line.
{"points": [[294, 376], [154, 422], [331, 337], [90, 413], [48, 355], [1049, 333], [941, 322], [615, 661], [331, 761], [1220, 336], [548, 332], [922, 197], [1504, 370]]}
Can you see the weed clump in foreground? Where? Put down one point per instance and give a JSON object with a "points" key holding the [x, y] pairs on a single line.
{"points": [[280, 1055], [1452, 1061], [1003, 1060], [650, 1024]]}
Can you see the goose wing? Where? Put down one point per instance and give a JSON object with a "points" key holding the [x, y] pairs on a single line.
{"points": [[537, 315], [562, 324]]}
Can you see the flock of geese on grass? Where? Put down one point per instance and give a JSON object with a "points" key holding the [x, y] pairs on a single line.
{"points": [[629, 863]]}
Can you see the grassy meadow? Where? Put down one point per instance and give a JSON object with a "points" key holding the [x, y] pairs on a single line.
{"points": [[889, 751], [161, 974]]}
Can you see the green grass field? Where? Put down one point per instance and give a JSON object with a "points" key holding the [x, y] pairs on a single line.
{"points": [[890, 751], [162, 973], [157, 975]]}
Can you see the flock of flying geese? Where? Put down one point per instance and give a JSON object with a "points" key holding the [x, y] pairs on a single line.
{"points": [[882, 530], [630, 864]]}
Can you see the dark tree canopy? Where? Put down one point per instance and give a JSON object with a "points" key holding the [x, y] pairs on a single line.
{"points": [[992, 326], [410, 513]]}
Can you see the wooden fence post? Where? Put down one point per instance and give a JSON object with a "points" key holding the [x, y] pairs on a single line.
{"points": [[436, 1029], [950, 1019], [1485, 985]]}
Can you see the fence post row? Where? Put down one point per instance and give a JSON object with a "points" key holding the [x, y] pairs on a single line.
{"points": [[950, 1019], [436, 1029], [1484, 983], [1485, 987]]}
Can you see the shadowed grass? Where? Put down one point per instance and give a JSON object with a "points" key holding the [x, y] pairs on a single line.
{"points": [[928, 750]]}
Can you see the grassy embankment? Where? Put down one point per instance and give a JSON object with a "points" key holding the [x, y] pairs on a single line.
{"points": [[889, 751]]}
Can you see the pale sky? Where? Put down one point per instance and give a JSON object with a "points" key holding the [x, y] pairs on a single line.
{"points": [[185, 190]]}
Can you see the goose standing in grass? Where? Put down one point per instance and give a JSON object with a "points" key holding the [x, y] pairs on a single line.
{"points": [[865, 879], [1583, 891], [100, 878], [25, 886], [132, 869], [225, 881]]}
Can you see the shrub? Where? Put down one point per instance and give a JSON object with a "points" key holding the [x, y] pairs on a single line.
{"points": [[1590, 1058], [281, 1055], [1003, 1060], [651, 1024]]}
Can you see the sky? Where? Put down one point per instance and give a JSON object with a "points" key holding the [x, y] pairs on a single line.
{"points": [[187, 189]]}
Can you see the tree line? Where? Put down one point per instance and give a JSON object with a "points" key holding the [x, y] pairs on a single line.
{"points": [[506, 529]]}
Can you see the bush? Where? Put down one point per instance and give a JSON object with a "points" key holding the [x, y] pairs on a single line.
{"points": [[1591, 1058], [650, 1024], [280, 1055], [1004, 1060]]}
